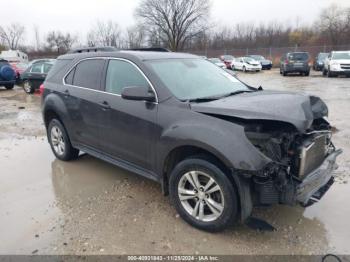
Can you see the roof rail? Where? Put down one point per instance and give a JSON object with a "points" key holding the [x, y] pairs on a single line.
{"points": [[151, 49], [92, 49]]}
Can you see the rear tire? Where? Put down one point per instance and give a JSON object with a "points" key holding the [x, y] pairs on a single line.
{"points": [[8, 87], [28, 87], [330, 74], [210, 207], [59, 141]]}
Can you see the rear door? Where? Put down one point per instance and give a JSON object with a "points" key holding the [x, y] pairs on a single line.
{"points": [[129, 130], [82, 90]]}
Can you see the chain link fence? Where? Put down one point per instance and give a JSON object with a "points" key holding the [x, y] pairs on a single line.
{"points": [[272, 53]]}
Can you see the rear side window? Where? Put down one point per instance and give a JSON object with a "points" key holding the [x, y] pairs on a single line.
{"points": [[88, 73], [47, 68], [122, 74], [36, 68]]}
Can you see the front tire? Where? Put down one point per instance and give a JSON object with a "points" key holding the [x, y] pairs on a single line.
{"points": [[59, 141], [330, 73], [203, 195]]}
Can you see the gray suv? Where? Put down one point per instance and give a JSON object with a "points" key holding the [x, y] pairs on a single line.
{"points": [[295, 62], [217, 146]]}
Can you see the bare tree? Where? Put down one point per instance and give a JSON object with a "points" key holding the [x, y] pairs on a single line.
{"points": [[104, 34], [12, 35], [178, 21], [135, 36], [59, 41], [334, 23]]}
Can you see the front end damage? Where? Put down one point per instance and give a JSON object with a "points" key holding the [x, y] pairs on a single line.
{"points": [[292, 135], [300, 171]]}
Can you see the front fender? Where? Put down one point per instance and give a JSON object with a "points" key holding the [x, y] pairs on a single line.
{"points": [[224, 139]]}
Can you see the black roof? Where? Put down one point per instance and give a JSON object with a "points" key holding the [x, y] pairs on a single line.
{"points": [[150, 55], [92, 49]]}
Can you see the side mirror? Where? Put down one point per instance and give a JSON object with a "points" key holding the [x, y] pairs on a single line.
{"points": [[138, 93]]}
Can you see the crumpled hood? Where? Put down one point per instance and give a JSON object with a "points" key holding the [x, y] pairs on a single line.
{"points": [[297, 109]]}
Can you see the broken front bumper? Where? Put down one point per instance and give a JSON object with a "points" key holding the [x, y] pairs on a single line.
{"points": [[315, 184]]}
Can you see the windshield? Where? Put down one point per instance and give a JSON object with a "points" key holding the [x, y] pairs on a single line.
{"points": [[191, 79], [322, 56], [299, 56], [343, 55], [248, 59], [257, 57]]}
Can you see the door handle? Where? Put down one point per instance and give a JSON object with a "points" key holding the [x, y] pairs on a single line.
{"points": [[105, 105]]}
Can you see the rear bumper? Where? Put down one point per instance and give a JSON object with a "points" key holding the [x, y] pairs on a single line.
{"points": [[316, 184], [5, 82], [267, 66]]}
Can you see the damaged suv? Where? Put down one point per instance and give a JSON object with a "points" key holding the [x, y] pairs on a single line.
{"points": [[217, 146]]}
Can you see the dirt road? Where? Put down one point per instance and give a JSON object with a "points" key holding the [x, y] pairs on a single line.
{"points": [[91, 207]]}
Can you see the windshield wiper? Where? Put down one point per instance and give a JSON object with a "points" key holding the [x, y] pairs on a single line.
{"points": [[204, 99], [238, 92]]}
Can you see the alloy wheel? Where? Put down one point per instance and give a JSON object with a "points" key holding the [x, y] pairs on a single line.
{"points": [[201, 196], [57, 140], [27, 87]]}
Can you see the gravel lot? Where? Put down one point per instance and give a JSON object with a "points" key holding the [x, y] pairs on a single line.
{"points": [[91, 207]]}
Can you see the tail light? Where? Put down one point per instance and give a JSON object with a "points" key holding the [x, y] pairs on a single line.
{"points": [[41, 89]]}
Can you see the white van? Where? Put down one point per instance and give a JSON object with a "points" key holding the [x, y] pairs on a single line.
{"points": [[14, 56]]}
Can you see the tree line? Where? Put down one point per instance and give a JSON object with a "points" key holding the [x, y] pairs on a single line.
{"points": [[185, 25]]}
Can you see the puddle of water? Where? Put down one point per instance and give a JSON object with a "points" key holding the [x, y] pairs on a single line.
{"points": [[89, 204]]}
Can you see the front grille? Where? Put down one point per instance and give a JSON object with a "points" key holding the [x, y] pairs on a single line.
{"points": [[312, 154], [345, 66]]}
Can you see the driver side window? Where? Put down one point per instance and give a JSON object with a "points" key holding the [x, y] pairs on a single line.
{"points": [[121, 74]]}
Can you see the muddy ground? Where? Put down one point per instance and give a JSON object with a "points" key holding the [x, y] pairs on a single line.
{"points": [[91, 207]]}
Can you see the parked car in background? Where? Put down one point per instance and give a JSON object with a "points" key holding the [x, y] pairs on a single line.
{"points": [[35, 75], [337, 63], [265, 63], [19, 68], [14, 56], [41, 60], [295, 62], [246, 64], [218, 146], [227, 59], [319, 61], [217, 62], [7, 74]]}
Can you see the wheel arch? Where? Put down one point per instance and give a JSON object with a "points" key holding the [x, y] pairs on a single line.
{"points": [[182, 152]]}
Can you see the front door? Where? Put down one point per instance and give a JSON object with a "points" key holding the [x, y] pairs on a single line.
{"points": [[129, 130]]}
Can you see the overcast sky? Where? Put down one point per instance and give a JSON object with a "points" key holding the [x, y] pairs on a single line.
{"points": [[77, 16]]}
